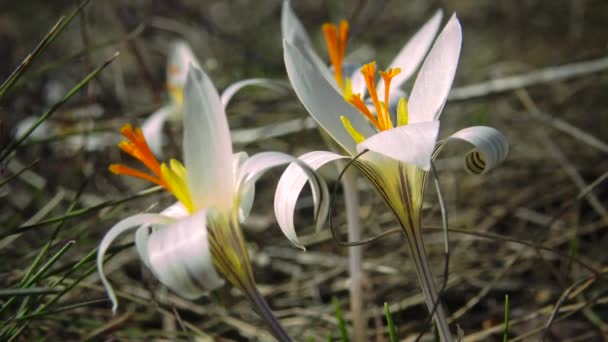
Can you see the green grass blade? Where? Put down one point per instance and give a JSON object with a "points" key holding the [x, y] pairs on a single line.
{"points": [[505, 335], [81, 212], [15, 175], [7, 151], [49, 38], [392, 335], [340, 318]]}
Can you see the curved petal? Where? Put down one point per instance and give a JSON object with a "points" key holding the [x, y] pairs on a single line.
{"points": [[230, 91], [412, 54], [254, 167], [180, 256], [435, 78], [180, 59], [176, 211], [293, 31], [491, 148], [207, 145], [246, 196], [412, 144], [321, 100], [153, 128], [114, 232], [289, 187]]}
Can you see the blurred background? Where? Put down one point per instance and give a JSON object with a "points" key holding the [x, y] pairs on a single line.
{"points": [[534, 228]]}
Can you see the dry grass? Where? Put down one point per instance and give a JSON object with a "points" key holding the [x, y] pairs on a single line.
{"points": [[535, 228]]}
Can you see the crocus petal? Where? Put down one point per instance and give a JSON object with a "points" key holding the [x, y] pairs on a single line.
{"points": [[180, 59], [153, 128], [176, 212], [289, 187], [321, 100], [246, 196], [293, 31], [276, 85], [256, 165], [207, 145], [358, 85], [412, 144], [180, 257], [412, 54], [119, 229], [435, 78], [491, 148]]}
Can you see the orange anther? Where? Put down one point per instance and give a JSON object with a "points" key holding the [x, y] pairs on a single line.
{"points": [[120, 169], [335, 38], [387, 76], [356, 101]]}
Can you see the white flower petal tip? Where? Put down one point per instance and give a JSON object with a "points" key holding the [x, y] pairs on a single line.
{"points": [[115, 232], [180, 257], [413, 52], [207, 144], [412, 144], [180, 58], [491, 148], [290, 186], [321, 99], [153, 128], [275, 85], [436, 75]]}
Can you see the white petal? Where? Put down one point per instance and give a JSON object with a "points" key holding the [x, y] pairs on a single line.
{"points": [[412, 54], [491, 148], [289, 187], [207, 145], [435, 78], [321, 100], [254, 167], [180, 257], [412, 144], [293, 31], [180, 59], [153, 128], [247, 195], [119, 229], [358, 85], [276, 85], [176, 212]]}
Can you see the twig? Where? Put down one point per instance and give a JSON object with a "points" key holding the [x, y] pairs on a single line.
{"points": [[545, 75]]}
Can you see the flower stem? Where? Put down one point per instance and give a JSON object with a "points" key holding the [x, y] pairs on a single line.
{"points": [[414, 238], [264, 310], [351, 199]]}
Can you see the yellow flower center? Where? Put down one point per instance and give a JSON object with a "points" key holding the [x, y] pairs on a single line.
{"points": [[335, 38], [173, 177], [382, 119], [176, 92]]}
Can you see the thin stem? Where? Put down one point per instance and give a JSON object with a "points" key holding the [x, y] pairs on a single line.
{"points": [[355, 255], [264, 310]]}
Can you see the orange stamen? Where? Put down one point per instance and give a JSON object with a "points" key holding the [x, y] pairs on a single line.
{"points": [[387, 76], [369, 74], [120, 169], [356, 101], [137, 147], [336, 38], [173, 70]]}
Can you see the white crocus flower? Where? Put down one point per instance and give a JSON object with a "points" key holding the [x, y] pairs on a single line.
{"points": [[336, 37], [180, 57], [193, 245], [399, 153]]}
